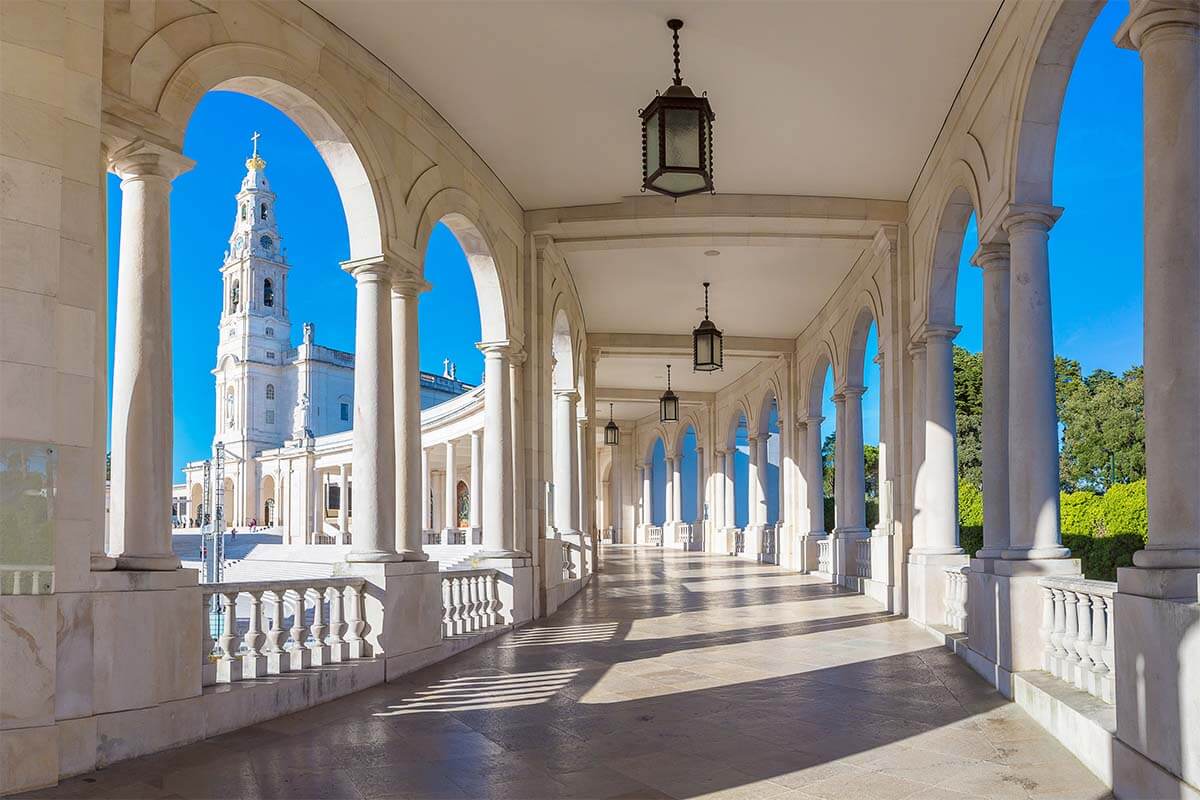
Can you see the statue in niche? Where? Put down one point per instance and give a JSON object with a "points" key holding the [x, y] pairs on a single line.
{"points": [[229, 412], [300, 429]]}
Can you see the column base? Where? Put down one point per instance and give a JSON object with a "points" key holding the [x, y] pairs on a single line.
{"points": [[102, 562], [149, 563], [1167, 558], [1035, 553], [927, 584], [1181, 585], [372, 557], [844, 553], [410, 555], [402, 607]]}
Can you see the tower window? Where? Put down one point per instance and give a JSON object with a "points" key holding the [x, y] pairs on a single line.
{"points": [[268, 293], [263, 211], [270, 391], [345, 412], [245, 210], [235, 296], [270, 416], [270, 331], [270, 355]]}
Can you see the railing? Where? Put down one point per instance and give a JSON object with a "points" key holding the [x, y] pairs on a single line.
{"points": [[432, 537], [688, 535], [739, 541], [825, 556], [862, 558], [255, 651], [470, 601], [331, 538], [568, 561], [27, 579], [1077, 634], [457, 536], [654, 535], [770, 545], [954, 603]]}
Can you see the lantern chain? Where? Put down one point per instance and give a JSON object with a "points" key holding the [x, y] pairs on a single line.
{"points": [[675, 25]]}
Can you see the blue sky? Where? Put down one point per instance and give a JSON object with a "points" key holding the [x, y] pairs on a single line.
{"points": [[1095, 249]]}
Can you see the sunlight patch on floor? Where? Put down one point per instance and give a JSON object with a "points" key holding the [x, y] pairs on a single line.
{"points": [[561, 635], [481, 692]]}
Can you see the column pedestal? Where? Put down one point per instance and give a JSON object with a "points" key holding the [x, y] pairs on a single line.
{"points": [[515, 587], [403, 612]]}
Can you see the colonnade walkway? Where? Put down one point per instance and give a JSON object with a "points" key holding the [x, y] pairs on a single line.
{"points": [[672, 675]]}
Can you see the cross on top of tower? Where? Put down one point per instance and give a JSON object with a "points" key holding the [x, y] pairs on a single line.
{"points": [[255, 161]]}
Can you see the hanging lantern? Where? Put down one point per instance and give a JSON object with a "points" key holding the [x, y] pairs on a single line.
{"points": [[707, 355], [612, 434], [668, 404], [677, 137]]}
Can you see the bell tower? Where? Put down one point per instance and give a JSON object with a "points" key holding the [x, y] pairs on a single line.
{"points": [[255, 332]]}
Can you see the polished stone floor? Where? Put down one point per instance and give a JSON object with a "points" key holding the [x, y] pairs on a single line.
{"points": [[673, 675]]}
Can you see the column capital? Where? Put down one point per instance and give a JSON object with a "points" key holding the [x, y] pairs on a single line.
{"points": [[373, 269], [566, 394], [935, 332], [838, 398], [1149, 17], [141, 159], [408, 284], [916, 347], [499, 348], [853, 391], [1023, 215], [992, 256]]}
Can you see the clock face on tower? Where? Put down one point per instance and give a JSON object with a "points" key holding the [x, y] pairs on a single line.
{"points": [[267, 243]]}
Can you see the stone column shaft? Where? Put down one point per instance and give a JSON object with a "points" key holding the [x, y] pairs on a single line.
{"points": [[700, 485], [647, 497], [411, 467], [852, 471], [450, 507], [814, 475], [374, 452], [476, 467], [940, 478], [142, 414], [497, 450], [1033, 434], [1167, 35], [729, 489], [566, 461], [993, 259], [754, 488], [344, 498]]}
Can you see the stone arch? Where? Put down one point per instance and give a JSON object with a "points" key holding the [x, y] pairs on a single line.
{"points": [[460, 212], [1038, 104], [946, 251], [196, 500], [860, 329], [688, 418], [656, 433], [267, 514], [288, 84], [737, 412], [816, 383], [770, 394]]}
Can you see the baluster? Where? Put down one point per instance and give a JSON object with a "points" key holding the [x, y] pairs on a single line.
{"points": [[1083, 641], [254, 663], [481, 621], [319, 652], [1047, 629], [1071, 617], [277, 658], [447, 613], [354, 617], [469, 603], [495, 605], [298, 653], [229, 666], [338, 647], [208, 665], [1110, 676], [456, 589], [1060, 628]]}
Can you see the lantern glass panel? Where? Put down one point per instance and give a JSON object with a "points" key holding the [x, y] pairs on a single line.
{"points": [[704, 348], [683, 138], [652, 133], [679, 182], [612, 434], [669, 411]]}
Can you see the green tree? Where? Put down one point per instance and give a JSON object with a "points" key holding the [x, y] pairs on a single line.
{"points": [[828, 448], [1103, 430], [968, 415], [871, 470]]}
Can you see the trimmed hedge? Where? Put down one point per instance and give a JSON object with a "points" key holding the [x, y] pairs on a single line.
{"points": [[1103, 531]]}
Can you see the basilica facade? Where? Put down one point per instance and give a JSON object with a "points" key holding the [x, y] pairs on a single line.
{"points": [[277, 406]]}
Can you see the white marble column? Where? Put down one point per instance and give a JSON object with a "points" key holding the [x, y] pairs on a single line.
{"points": [[851, 471], [585, 494], [730, 489], [1033, 436], [343, 498], [754, 484], [839, 446], [940, 478], [677, 489], [993, 260], [476, 467], [411, 468], [497, 451], [566, 461], [1166, 35], [374, 453], [700, 483], [142, 414], [814, 478], [669, 491], [426, 498], [449, 490], [719, 490], [647, 497], [916, 351]]}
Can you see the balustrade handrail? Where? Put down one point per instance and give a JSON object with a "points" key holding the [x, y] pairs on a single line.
{"points": [[282, 585], [1076, 584], [469, 572]]}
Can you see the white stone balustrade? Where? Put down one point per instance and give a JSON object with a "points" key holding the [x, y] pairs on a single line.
{"points": [[27, 579], [314, 638], [862, 558], [955, 600], [654, 535], [825, 557], [1077, 634], [470, 601], [570, 569]]}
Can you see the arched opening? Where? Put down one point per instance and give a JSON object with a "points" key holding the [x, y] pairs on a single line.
{"points": [[267, 515], [463, 504], [564, 443], [658, 482], [196, 508], [827, 411], [691, 495], [740, 449], [863, 372]]}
